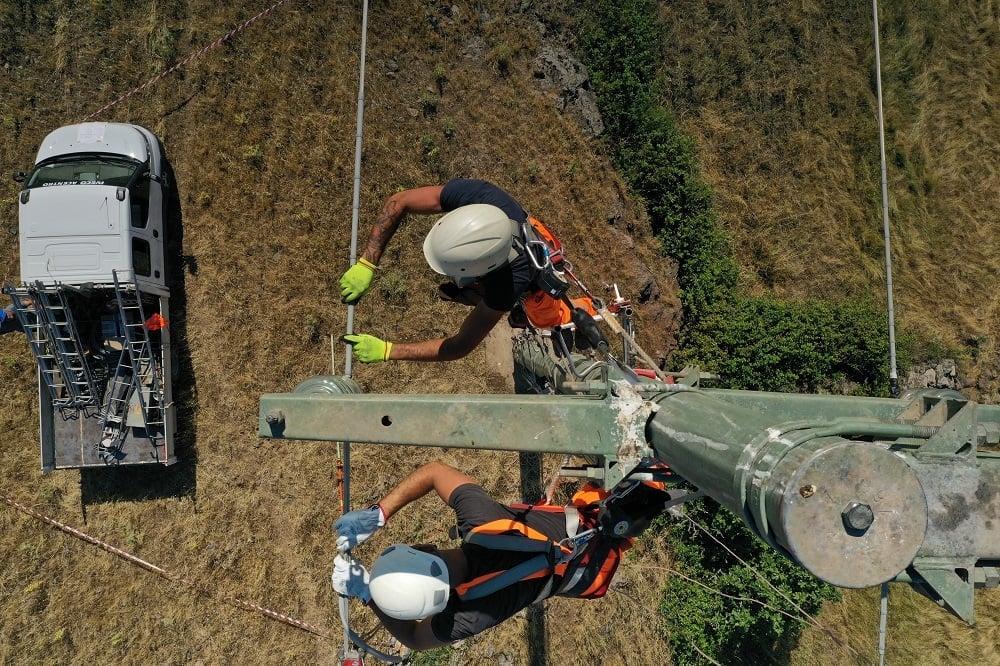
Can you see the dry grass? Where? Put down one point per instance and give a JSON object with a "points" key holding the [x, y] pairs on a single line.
{"points": [[916, 631], [261, 133], [795, 167]]}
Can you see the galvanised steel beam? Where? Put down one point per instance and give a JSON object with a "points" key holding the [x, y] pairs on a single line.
{"points": [[858, 491]]}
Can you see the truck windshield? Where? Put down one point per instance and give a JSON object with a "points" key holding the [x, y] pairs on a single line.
{"points": [[84, 170]]}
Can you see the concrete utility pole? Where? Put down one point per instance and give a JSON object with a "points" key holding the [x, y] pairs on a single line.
{"points": [[858, 491]]}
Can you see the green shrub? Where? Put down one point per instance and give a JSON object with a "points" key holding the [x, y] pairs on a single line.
{"points": [[764, 344], [428, 103], [660, 164], [436, 657], [754, 343], [620, 47], [747, 607]]}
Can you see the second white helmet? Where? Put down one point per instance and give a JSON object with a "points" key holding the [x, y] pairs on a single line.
{"points": [[409, 584], [471, 241]]}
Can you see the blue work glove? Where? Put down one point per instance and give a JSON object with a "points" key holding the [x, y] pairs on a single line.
{"points": [[356, 527], [350, 579], [368, 348], [356, 280]]}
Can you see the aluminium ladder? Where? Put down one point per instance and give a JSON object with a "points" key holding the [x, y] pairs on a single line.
{"points": [[136, 374], [47, 318]]}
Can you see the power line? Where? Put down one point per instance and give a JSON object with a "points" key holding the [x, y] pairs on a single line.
{"points": [[232, 33], [350, 638], [160, 571], [893, 378]]}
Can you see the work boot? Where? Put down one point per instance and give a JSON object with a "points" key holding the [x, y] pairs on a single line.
{"points": [[518, 318]]}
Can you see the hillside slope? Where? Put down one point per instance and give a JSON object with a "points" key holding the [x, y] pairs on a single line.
{"points": [[260, 132], [781, 101]]}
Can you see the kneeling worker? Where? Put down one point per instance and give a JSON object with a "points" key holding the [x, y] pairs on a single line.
{"points": [[511, 556]]}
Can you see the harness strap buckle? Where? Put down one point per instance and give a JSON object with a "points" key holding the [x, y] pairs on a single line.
{"points": [[575, 544]]}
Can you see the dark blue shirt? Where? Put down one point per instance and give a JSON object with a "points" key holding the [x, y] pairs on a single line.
{"points": [[503, 286]]}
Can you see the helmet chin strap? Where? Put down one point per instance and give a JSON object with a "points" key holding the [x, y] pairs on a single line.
{"points": [[455, 562], [463, 282]]}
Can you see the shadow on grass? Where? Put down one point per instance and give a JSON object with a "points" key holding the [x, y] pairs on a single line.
{"points": [[137, 483]]}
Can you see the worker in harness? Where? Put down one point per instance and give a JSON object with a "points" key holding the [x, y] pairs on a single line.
{"points": [[511, 556], [480, 245], [9, 323]]}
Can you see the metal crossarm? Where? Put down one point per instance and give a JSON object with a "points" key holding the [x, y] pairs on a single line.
{"points": [[858, 491]]}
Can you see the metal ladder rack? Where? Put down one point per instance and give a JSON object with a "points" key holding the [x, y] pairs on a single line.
{"points": [[47, 319], [136, 373]]}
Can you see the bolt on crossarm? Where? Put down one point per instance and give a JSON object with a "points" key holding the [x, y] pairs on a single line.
{"points": [[858, 491]]}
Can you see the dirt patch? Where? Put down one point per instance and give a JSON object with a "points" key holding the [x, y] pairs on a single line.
{"points": [[499, 355]]}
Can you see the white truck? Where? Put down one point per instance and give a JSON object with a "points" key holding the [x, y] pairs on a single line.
{"points": [[94, 297]]}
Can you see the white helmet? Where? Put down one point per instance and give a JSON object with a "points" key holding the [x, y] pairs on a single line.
{"points": [[409, 584], [471, 241]]}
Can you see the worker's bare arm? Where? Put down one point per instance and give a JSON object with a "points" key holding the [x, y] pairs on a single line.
{"points": [[474, 330], [436, 476], [418, 200]]}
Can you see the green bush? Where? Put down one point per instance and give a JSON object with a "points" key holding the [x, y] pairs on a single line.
{"points": [[661, 165], [764, 344], [748, 607], [620, 46], [436, 657], [754, 343]]}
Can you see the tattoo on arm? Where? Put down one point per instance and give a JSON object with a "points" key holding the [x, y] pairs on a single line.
{"points": [[383, 229]]}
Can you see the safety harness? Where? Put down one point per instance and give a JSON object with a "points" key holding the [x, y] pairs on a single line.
{"points": [[548, 305], [601, 527]]}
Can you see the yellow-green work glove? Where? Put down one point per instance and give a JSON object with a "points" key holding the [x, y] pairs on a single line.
{"points": [[356, 280], [368, 348]]}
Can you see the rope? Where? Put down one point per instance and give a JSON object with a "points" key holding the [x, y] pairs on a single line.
{"points": [[344, 465], [639, 351], [128, 557], [893, 379], [221, 40], [808, 619]]}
